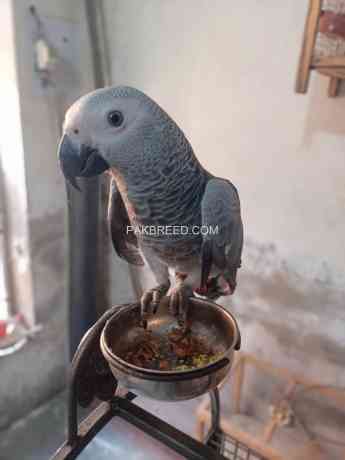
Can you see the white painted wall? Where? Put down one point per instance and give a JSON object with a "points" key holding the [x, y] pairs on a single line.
{"points": [[35, 192], [4, 300], [42, 109], [225, 71], [12, 159]]}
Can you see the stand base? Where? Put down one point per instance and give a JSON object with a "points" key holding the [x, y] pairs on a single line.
{"points": [[183, 444]]}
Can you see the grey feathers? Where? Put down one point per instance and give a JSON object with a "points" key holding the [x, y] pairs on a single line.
{"points": [[221, 210], [156, 181]]}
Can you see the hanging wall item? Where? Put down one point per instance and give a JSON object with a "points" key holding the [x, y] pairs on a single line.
{"points": [[323, 47]]}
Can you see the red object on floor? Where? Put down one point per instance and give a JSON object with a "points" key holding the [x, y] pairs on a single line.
{"points": [[3, 328]]}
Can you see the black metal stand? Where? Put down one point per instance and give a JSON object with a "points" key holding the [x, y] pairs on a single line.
{"points": [[185, 445], [90, 378]]}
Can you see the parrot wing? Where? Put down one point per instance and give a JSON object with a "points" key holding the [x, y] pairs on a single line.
{"points": [[221, 212], [125, 243]]}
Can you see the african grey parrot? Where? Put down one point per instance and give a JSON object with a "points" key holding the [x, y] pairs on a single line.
{"points": [[156, 183]]}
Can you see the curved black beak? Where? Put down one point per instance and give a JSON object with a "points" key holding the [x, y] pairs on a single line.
{"points": [[79, 161]]}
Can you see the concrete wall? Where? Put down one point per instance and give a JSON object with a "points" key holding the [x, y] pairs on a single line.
{"points": [[225, 71], [13, 171], [38, 371]]}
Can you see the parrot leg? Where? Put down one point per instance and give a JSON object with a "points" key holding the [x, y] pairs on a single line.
{"points": [[223, 284], [179, 299], [150, 300]]}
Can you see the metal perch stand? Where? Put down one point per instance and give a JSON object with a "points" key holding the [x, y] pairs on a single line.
{"points": [[90, 377]]}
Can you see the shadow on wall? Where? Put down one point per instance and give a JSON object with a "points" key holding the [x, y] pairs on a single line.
{"points": [[325, 114]]}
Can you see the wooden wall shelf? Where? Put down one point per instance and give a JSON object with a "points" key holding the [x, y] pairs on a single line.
{"points": [[323, 47]]}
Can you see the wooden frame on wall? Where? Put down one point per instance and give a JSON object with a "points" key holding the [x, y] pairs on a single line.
{"points": [[324, 22]]}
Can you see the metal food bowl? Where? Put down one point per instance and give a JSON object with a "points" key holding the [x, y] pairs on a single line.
{"points": [[209, 320]]}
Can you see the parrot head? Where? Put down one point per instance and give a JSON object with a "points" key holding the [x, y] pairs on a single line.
{"points": [[106, 129]]}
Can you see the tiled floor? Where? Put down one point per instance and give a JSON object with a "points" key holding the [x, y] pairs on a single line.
{"points": [[39, 435]]}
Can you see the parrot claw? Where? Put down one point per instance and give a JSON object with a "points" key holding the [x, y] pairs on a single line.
{"points": [[150, 301], [216, 287], [179, 302]]}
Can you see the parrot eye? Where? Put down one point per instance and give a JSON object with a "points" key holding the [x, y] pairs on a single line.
{"points": [[115, 118]]}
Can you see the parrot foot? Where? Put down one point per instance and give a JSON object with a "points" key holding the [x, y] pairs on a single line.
{"points": [[179, 301], [150, 300], [216, 287]]}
